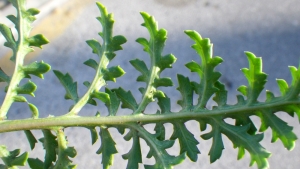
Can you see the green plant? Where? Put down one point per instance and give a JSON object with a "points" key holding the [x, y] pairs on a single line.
{"points": [[243, 134]]}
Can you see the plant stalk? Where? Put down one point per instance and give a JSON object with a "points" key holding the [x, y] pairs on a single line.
{"points": [[185, 115]]}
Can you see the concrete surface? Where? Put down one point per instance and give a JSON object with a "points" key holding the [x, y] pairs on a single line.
{"points": [[268, 28]]}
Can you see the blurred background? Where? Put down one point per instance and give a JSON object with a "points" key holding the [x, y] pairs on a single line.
{"points": [[268, 28]]}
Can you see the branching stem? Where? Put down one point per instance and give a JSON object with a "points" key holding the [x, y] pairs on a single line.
{"points": [[52, 122], [17, 76]]}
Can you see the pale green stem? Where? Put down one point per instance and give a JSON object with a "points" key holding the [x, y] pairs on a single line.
{"points": [[97, 83], [149, 91], [18, 74], [75, 121]]}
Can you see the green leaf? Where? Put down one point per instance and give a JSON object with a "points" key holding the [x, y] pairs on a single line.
{"points": [[134, 156], [37, 69], [165, 82], [113, 42], [256, 78], [221, 95], [294, 90], [243, 120], [19, 99], [186, 91], [38, 40], [158, 149], [283, 86], [105, 52], [127, 99], [34, 110], [4, 77], [94, 134], [292, 109], [31, 139], [217, 146], [64, 153], [33, 11], [35, 163], [195, 67], [91, 63], [113, 103], [95, 45], [206, 72], [164, 104], [10, 40], [112, 73], [104, 97], [13, 19], [187, 141], [141, 67], [107, 148], [27, 88], [116, 43], [20, 49], [165, 108], [154, 47], [280, 129], [160, 131], [166, 61], [50, 145], [241, 139], [23, 21], [12, 158], [70, 86]]}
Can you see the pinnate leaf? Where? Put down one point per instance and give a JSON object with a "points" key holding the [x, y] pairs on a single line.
{"points": [[113, 42], [158, 150], [256, 78], [243, 140], [134, 156], [187, 141], [206, 72], [280, 129], [64, 153], [107, 149], [154, 47], [217, 146], [50, 145]]}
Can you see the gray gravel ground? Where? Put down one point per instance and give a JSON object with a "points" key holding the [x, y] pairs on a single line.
{"points": [[268, 28]]}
